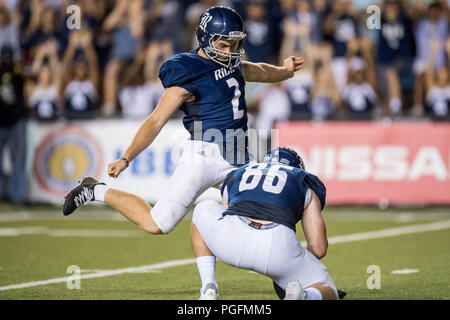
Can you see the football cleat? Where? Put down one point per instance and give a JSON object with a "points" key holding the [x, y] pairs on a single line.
{"points": [[294, 291], [211, 292], [82, 194], [341, 294]]}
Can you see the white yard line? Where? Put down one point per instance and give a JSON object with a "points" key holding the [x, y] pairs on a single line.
{"points": [[14, 232], [96, 233], [38, 216], [405, 271], [91, 233], [386, 216], [106, 273], [391, 232]]}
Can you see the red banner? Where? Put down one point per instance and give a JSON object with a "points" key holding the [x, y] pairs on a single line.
{"points": [[375, 163]]}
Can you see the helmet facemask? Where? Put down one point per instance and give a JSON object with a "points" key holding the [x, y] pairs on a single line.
{"points": [[232, 59]]}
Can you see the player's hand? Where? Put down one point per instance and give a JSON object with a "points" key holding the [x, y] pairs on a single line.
{"points": [[293, 64], [116, 167]]}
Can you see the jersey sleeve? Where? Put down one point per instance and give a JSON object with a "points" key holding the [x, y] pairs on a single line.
{"points": [[176, 73], [317, 186], [226, 185]]}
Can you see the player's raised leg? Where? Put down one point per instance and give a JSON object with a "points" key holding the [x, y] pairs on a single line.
{"points": [[133, 208], [200, 167], [129, 205]]}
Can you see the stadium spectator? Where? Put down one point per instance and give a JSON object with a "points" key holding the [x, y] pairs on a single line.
{"points": [[44, 95], [164, 25], [298, 89], [141, 90], [80, 77], [301, 38], [126, 22], [259, 43], [44, 25], [339, 27], [358, 96], [395, 55], [274, 95], [9, 33], [437, 100], [325, 96], [300, 27], [93, 14], [432, 27], [12, 129]]}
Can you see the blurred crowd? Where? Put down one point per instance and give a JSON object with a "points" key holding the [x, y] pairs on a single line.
{"points": [[392, 60], [364, 59]]}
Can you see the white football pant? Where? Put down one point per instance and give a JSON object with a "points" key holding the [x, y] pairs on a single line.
{"points": [[200, 167], [275, 252]]}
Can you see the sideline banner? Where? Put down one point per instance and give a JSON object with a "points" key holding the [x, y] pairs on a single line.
{"points": [[59, 154], [375, 163], [360, 162]]}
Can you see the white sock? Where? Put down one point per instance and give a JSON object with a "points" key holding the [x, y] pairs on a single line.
{"points": [[100, 191], [313, 294], [395, 104], [207, 268]]}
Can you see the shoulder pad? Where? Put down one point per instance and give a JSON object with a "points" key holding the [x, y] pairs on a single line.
{"points": [[317, 186], [174, 72]]}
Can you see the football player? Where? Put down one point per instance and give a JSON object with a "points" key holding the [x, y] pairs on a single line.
{"points": [[208, 85], [254, 228]]}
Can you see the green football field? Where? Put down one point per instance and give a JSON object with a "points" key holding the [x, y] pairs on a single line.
{"points": [[409, 247]]}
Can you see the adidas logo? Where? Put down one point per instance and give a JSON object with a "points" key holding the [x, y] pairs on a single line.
{"points": [[85, 195]]}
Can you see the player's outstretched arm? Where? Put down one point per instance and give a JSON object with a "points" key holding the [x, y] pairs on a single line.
{"points": [[264, 72], [170, 101], [314, 228]]}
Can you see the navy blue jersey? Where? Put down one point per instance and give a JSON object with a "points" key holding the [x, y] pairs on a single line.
{"points": [[346, 29], [396, 40], [219, 113], [270, 191]]}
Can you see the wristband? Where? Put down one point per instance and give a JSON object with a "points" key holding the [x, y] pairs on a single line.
{"points": [[126, 160]]}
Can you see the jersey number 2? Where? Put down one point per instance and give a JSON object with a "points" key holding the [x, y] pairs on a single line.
{"points": [[237, 114]]}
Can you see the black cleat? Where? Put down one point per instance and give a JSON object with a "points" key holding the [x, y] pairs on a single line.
{"points": [[341, 294], [80, 195]]}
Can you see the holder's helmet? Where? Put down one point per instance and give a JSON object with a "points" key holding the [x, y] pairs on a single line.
{"points": [[286, 156]]}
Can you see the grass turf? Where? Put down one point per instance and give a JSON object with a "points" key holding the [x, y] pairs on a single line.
{"points": [[35, 257]]}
